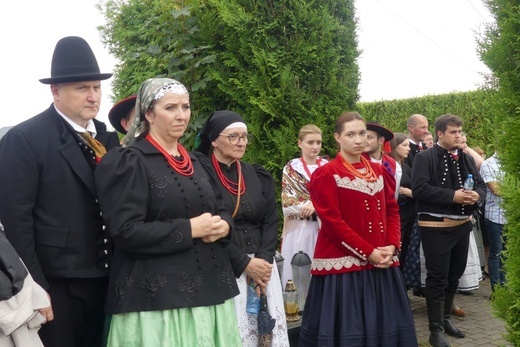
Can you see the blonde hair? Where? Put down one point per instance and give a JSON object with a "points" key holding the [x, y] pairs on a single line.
{"points": [[307, 130]]}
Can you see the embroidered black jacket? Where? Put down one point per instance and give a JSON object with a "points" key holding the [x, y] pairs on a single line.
{"points": [[436, 175], [157, 265]]}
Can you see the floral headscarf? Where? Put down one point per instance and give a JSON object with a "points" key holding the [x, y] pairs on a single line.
{"points": [[152, 89]]}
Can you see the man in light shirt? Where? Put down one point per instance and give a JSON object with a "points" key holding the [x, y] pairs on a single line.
{"points": [[492, 173]]}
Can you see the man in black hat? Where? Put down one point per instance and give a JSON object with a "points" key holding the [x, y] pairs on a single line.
{"points": [[122, 114], [49, 204], [377, 137]]}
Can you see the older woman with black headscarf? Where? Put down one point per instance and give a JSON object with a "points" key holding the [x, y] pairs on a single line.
{"points": [[249, 194], [171, 280]]}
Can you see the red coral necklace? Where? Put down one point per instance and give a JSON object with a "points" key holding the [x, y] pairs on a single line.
{"points": [[183, 166], [369, 174], [232, 187]]}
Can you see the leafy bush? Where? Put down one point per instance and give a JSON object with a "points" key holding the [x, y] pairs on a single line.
{"points": [[475, 108], [500, 51]]}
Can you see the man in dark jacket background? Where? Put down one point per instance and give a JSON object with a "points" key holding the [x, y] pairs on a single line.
{"points": [[49, 204]]}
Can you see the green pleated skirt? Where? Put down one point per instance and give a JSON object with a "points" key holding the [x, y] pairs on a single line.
{"points": [[207, 326]]}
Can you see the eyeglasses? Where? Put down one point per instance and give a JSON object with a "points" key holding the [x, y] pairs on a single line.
{"points": [[235, 138]]}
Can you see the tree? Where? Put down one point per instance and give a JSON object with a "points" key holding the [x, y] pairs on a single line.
{"points": [[500, 51], [280, 64], [153, 38]]}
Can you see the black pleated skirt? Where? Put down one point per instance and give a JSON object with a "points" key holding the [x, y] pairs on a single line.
{"points": [[363, 308]]}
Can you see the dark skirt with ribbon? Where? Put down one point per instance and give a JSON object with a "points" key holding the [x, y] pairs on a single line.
{"points": [[362, 308]]}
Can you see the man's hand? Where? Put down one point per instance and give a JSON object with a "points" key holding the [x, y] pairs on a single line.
{"points": [[47, 311], [466, 197], [406, 192]]}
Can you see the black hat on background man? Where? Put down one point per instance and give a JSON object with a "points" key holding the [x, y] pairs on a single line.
{"points": [[382, 131], [74, 61], [121, 110]]}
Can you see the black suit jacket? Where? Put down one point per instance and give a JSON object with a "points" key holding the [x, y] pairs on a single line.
{"points": [[48, 202], [434, 196], [414, 149]]}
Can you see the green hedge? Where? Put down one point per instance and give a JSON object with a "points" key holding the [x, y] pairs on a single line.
{"points": [[499, 48], [475, 108]]}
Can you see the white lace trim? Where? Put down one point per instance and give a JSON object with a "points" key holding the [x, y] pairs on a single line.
{"points": [[248, 323], [340, 263], [174, 88], [337, 263], [360, 185]]}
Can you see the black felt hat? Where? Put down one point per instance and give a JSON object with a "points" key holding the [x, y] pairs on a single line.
{"points": [[387, 134], [74, 61], [119, 111]]}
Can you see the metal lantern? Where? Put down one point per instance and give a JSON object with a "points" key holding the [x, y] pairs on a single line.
{"points": [[279, 264], [290, 302], [301, 269]]}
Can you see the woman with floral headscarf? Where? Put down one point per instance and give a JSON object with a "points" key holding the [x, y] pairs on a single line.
{"points": [[171, 280], [249, 194]]}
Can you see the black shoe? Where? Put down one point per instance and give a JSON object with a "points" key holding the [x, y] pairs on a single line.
{"points": [[437, 339], [435, 310], [452, 330]]}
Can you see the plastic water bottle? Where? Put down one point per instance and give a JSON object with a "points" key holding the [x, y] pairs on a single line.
{"points": [[253, 301], [469, 183]]}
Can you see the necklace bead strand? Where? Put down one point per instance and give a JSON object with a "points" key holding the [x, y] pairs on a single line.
{"points": [[369, 174], [231, 186], [184, 166]]}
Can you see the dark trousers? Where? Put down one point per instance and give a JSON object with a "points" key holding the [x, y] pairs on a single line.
{"points": [[446, 254], [78, 307], [496, 247]]}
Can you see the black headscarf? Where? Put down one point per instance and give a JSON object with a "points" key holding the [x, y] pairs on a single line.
{"points": [[213, 126]]}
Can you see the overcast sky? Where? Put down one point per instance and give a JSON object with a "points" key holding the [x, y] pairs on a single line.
{"points": [[410, 48], [419, 47]]}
